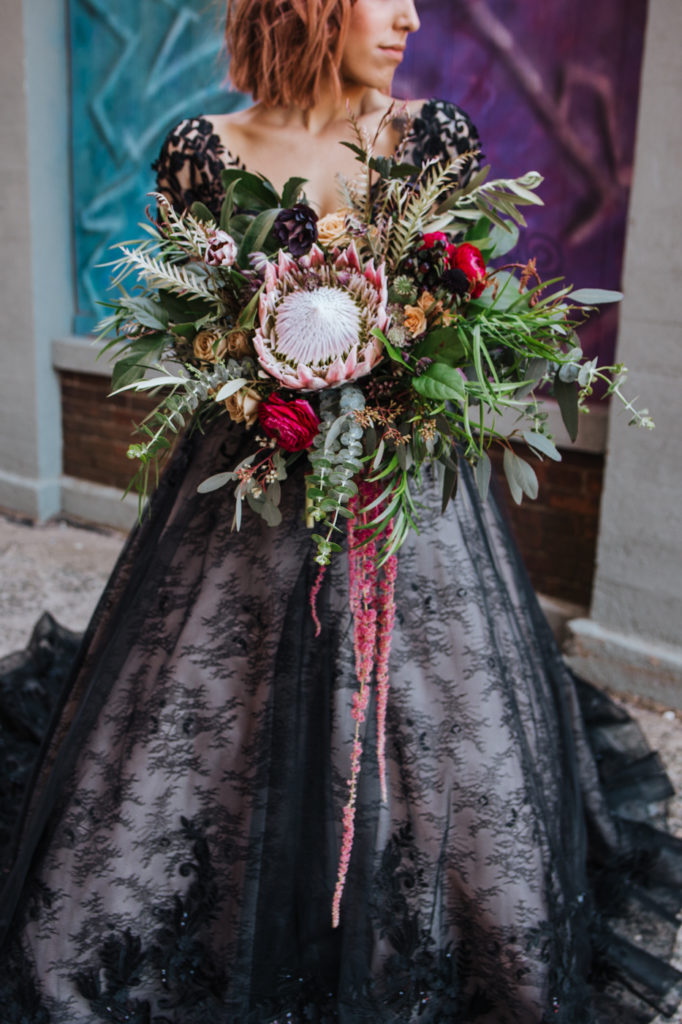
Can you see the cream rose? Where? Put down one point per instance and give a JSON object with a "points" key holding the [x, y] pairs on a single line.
{"points": [[332, 229], [204, 343], [242, 407]]}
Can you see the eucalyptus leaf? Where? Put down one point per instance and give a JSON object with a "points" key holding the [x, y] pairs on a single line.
{"points": [[503, 240], [379, 455], [542, 444], [215, 482], [482, 474], [230, 388], [595, 296], [450, 479], [567, 398], [151, 383], [265, 508], [520, 476], [523, 193], [274, 492]]}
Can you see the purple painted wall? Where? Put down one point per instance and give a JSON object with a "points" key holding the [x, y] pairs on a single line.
{"points": [[552, 87]]}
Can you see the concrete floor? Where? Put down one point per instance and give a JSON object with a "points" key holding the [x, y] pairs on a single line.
{"points": [[62, 569]]}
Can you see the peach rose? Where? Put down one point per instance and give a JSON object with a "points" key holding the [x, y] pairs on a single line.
{"points": [[242, 407], [332, 228], [415, 320], [209, 345]]}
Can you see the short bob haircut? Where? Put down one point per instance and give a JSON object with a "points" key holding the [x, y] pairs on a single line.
{"points": [[281, 51]]}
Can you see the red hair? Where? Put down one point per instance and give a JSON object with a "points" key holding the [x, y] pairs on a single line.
{"points": [[281, 51]]}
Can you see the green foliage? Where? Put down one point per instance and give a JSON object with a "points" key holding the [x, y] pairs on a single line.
{"points": [[433, 400]]}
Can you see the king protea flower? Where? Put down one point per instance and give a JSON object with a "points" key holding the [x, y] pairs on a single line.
{"points": [[316, 315]]}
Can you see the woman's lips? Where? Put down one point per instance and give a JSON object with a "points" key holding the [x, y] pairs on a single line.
{"points": [[394, 52]]}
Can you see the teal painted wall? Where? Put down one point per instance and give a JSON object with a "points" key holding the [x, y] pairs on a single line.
{"points": [[137, 68]]}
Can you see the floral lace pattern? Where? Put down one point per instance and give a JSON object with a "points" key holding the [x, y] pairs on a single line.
{"points": [[185, 825]]}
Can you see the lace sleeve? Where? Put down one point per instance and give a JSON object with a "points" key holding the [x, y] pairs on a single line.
{"points": [[189, 165], [442, 130]]}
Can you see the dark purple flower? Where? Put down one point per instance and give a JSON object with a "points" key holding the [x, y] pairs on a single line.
{"points": [[455, 282], [296, 229]]}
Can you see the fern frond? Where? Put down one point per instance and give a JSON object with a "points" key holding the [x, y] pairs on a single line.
{"points": [[435, 180], [179, 279]]}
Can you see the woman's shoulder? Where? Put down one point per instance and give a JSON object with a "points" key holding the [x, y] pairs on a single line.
{"points": [[189, 164], [440, 129]]}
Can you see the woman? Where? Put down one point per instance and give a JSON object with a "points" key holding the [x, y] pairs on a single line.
{"points": [[184, 828]]}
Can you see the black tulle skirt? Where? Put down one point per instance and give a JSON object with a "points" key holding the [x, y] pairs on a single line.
{"points": [[177, 849]]}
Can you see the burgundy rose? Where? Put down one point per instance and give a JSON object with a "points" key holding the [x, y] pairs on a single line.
{"points": [[292, 424], [296, 228], [432, 237], [468, 258]]}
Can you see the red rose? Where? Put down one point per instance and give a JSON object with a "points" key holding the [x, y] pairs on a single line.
{"points": [[468, 259], [292, 424], [431, 237]]}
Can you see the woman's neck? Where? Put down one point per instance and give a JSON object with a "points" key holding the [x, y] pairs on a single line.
{"points": [[329, 109]]}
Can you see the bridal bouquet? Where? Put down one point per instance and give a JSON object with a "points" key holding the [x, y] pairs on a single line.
{"points": [[386, 337]]}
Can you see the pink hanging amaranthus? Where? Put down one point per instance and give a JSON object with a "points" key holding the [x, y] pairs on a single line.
{"points": [[372, 604]]}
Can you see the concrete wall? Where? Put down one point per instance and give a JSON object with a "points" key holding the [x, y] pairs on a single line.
{"points": [[35, 249], [634, 638]]}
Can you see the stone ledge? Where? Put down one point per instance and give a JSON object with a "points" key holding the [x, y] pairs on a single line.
{"points": [[37, 499], [624, 663], [96, 503], [78, 354]]}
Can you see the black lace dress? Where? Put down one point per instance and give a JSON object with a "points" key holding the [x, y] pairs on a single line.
{"points": [[178, 850]]}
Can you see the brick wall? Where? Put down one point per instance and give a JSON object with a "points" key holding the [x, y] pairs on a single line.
{"points": [[557, 533], [97, 430]]}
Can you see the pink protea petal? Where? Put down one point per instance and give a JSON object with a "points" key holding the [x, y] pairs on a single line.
{"points": [[316, 256], [370, 272], [263, 305], [270, 277], [285, 263], [304, 377], [336, 373], [353, 257], [351, 363]]}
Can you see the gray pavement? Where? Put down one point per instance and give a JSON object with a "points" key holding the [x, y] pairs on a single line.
{"points": [[62, 568]]}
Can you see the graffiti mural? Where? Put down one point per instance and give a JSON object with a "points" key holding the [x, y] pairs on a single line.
{"points": [[553, 88]]}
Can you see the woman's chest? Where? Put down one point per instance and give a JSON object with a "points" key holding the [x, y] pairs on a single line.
{"points": [[321, 161]]}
